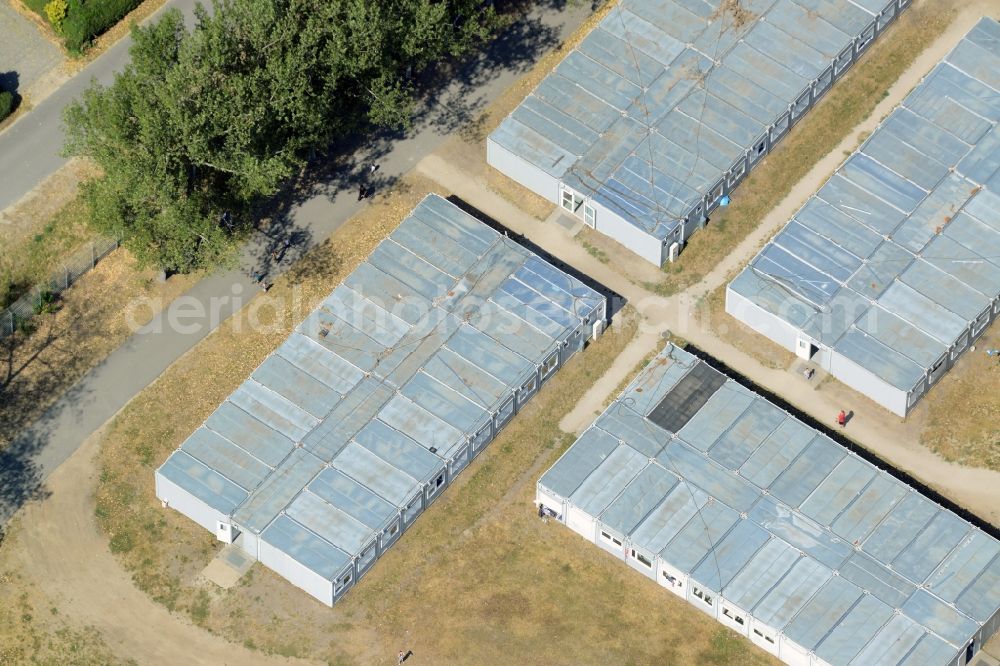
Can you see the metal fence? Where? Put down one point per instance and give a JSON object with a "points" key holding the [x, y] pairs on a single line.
{"points": [[26, 307]]}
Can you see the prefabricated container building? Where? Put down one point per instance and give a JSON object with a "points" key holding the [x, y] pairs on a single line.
{"points": [[772, 528], [891, 270], [662, 110], [319, 461]]}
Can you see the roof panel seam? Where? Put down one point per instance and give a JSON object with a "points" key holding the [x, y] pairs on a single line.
{"points": [[210, 429]]}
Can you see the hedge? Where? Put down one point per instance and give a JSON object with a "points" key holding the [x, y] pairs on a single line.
{"points": [[86, 19]]}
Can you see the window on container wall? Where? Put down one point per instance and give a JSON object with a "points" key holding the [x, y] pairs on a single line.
{"points": [[550, 365], [674, 582], [738, 619], [639, 557], [610, 539]]}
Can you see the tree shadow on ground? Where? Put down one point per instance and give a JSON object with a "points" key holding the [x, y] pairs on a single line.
{"points": [[448, 100], [450, 95], [9, 82], [39, 384], [21, 476]]}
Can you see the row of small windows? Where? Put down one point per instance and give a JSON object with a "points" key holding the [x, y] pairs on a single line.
{"points": [[707, 598], [607, 537], [764, 636], [738, 619], [698, 592]]}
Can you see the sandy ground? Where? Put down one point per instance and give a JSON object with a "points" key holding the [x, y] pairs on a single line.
{"points": [[62, 551]]}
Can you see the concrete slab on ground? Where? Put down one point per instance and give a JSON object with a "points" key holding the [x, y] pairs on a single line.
{"points": [[25, 54], [567, 222], [226, 568], [799, 367]]}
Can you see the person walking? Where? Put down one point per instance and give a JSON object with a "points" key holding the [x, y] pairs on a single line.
{"points": [[842, 418], [401, 658]]}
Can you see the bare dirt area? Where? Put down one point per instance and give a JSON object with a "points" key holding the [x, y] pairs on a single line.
{"points": [[63, 563], [33, 630]]}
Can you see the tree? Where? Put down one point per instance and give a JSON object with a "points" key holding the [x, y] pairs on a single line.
{"points": [[213, 119]]}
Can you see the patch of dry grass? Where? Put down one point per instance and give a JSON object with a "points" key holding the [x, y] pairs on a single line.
{"points": [[963, 409], [768, 353], [43, 229], [851, 100], [39, 363]]}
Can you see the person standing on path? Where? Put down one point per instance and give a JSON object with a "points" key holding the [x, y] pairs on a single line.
{"points": [[402, 657], [842, 418]]}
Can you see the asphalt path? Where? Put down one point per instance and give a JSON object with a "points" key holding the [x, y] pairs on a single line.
{"points": [[29, 151], [30, 148]]}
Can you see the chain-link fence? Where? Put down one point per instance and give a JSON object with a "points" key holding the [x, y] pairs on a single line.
{"points": [[23, 309]]}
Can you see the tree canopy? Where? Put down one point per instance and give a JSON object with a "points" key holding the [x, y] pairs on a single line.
{"points": [[207, 120]]}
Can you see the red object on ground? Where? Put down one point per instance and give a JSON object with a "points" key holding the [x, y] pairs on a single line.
{"points": [[842, 418]]}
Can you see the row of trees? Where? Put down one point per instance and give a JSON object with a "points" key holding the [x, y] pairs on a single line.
{"points": [[211, 119]]}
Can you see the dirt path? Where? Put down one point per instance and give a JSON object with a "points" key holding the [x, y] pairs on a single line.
{"points": [[60, 549]]}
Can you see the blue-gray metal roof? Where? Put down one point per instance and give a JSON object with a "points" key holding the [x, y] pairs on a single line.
{"points": [[663, 96], [894, 257], [782, 521], [374, 393]]}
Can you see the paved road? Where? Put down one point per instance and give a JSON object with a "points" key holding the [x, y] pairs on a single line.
{"points": [[25, 55], [108, 387], [29, 149]]}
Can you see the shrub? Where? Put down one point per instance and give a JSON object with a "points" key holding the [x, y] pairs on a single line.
{"points": [[6, 103], [84, 21], [55, 11], [46, 303]]}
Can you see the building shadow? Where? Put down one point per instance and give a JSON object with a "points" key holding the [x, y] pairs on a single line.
{"points": [[615, 301]]}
